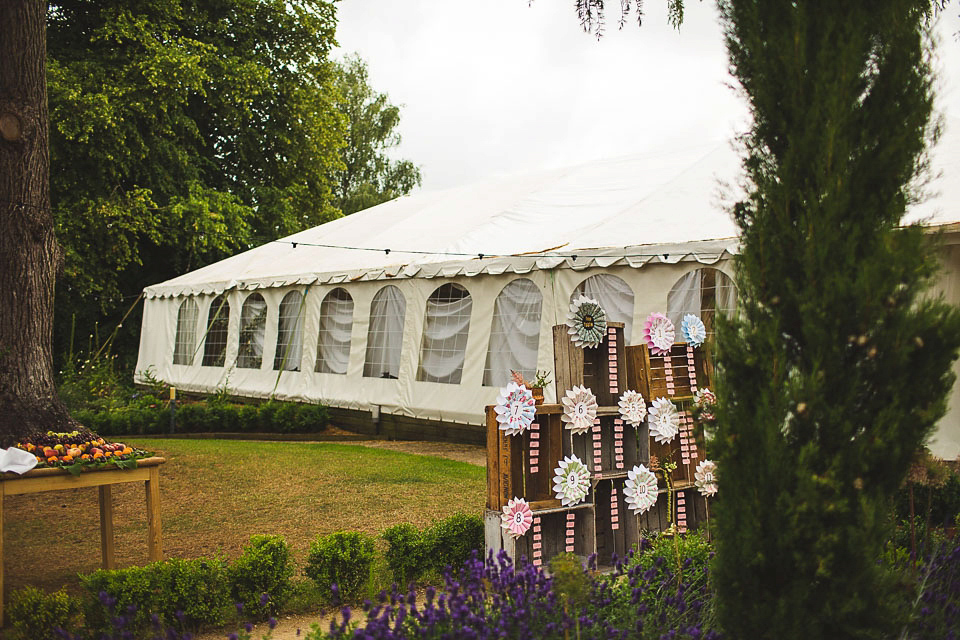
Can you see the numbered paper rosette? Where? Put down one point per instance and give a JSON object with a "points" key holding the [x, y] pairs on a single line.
{"points": [[515, 409], [517, 517], [579, 409], [659, 333], [571, 481], [586, 322], [664, 420], [640, 489], [633, 408], [704, 400], [694, 333], [705, 478]]}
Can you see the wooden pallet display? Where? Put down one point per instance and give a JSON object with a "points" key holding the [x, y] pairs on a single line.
{"points": [[511, 474], [609, 450], [669, 376]]}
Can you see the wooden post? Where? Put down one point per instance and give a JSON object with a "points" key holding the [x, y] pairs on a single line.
{"points": [[154, 534], [2, 491], [106, 527]]}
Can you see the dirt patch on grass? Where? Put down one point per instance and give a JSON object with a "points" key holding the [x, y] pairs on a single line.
{"points": [[470, 453]]}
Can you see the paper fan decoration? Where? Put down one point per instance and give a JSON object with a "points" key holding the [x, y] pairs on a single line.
{"points": [[640, 489], [587, 322], [515, 409], [704, 401], [517, 517], [633, 409], [659, 333], [571, 481], [705, 478], [694, 333], [579, 409], [664, 420]]}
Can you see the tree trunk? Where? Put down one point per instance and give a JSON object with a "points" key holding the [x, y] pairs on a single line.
{"points": [[29, 253]]}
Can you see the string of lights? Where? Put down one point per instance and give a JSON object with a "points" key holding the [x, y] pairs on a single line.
{"points": [[449, 254]]}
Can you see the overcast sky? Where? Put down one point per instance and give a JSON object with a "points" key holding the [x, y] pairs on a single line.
{"points": [[493, 87]]}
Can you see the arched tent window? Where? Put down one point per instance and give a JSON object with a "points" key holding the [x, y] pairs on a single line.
{"points": [[385, 336], [218, 324], [185, 344], [289, 333], [445, 329], [514, 333], [702, 292], [614, 295], [253, 324], [336, 322]]}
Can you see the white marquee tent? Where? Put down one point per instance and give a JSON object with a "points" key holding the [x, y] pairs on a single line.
{"points": [[421, 306]]}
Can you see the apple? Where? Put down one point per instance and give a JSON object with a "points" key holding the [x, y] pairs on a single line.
{"points": [[94, 451]]}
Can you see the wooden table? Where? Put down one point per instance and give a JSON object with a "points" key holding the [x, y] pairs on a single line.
{"points": [[52, 479]]}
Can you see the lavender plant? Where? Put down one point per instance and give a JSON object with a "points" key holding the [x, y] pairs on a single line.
{"points": [[936, 609], [499, 599]]}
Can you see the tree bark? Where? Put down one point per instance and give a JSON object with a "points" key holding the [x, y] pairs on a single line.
{"points": [[29, 254]]}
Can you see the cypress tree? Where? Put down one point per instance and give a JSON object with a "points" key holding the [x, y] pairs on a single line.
{"points": [[836, 368]]}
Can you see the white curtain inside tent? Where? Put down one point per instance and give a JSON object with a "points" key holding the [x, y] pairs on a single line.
{"points": [[689, 294], [615, 297], [336, 321], [290, 333], [385, 335], [186, 340], [253, 324], [514, 333], [218, 330], [446, 325]]}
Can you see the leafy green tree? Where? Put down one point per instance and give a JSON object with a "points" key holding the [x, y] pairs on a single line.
{"points": [[183, 131], [837, 366], [369, 176]]}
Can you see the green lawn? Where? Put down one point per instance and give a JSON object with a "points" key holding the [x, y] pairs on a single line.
{"points": [[217, 493]]}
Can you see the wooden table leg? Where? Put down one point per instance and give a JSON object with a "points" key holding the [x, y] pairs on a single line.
{"points": [[154, 534], [106, 528]]}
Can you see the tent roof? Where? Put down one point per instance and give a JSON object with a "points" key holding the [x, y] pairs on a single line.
{"points": [[631, 210]]}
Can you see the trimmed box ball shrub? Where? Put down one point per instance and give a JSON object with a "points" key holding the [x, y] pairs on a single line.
{"points": [[35, 615], [453, 539], [343, 558], [408, 554], [264, 567]]}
